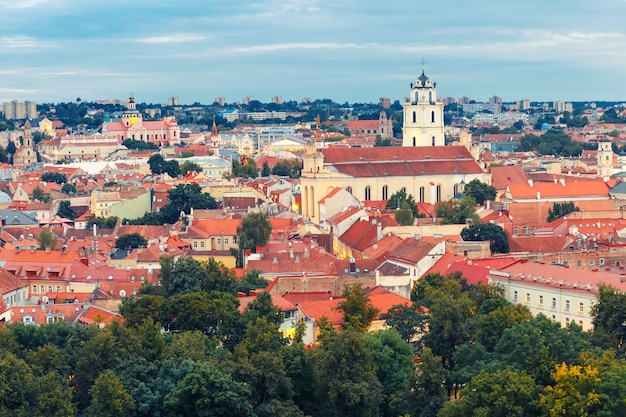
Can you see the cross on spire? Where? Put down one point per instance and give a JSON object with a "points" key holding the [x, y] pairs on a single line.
{"points": [[423, 63]]}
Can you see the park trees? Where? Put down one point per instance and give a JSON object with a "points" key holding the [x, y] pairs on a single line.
{"points": [[399, 197], [65, 210]]}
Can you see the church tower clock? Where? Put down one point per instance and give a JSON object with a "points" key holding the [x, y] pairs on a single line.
{"points": [[423, 115]]}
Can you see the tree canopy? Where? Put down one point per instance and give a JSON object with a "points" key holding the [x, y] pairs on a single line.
{"points": [[480, 191], [497, 237]]}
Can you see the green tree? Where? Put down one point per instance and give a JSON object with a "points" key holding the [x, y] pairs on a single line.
{"points": [[181, 276], [502, 393], [109, 398], [190, 166], [612, 392], [65, 210], [399, 197], [15, 385], [345, 377], [404, 216], [480, 232], [56, 177], [357, 311], [407, 320], [480, 191], [265, 170], [138, 310], [262, 307], [207, 392], [560, 210], [255, 230], [394, 366], [47, 239], [429, 391], [68, 189], [182, 199], [54, 397], [252, 280], [157, 164], [131, 240], [609, 316], [457, 211]]}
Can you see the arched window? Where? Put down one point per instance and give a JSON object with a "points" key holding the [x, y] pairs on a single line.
{"points": [[432, 116], [385, 192], [438, 193], [430, 96], [422, 195], [414, 141], [414, 117], [433, 141], [368, 193], [349, 189]]}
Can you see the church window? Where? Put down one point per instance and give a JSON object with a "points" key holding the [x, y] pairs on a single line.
{"points": [[368, 193], [432, 116], [385, 192], [430, 96], [414, 141], [433, 141], [422, 194], [414, 117], [438, 193]]}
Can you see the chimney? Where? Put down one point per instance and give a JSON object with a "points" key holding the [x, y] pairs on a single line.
{"points": [[379, 231], [538, 195], [290, 251], [563, 182], [530, 182]]}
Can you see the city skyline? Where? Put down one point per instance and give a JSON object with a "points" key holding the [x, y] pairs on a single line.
{"points": [[58, 50]]}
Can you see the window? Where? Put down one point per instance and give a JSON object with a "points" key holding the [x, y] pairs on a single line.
{"points": [[422, 195], [541, 300], [528, 297], [566, 305], [439, 193], [385, 192], [515, 231], [202, 244], [50, 320], [601, 261], [581, 308], [553, 318], [42, 289], [235, 238], [49, 288], [195, 244], [414, 119], [219, 241], [553, 302], [226, 241], [579, 263], [525, 230], [368, 192], [34, 289], [514, 295], [433, 141], [58, 288], [414, 141], [432, 116], [591, 262], [567, 321]]}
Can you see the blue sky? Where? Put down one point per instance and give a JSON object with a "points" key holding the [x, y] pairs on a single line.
{"points": [[345, 50]]}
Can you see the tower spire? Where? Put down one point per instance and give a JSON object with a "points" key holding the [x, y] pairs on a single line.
{"points": [[423, 64]]}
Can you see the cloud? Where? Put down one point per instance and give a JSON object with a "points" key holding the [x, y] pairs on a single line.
{"points": [[20, 41], [296, 45], [173, 38], [22, 4]]}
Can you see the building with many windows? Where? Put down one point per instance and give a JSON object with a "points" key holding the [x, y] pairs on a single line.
{"points": [[562, 294], [19, 110]]}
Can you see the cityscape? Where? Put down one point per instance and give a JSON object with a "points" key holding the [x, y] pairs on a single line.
{"points": [[414, 256]]}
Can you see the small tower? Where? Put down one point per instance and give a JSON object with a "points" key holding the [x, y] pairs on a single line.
{"points": [[131, 116], [423, 114], [605, 158], [215, 136]]}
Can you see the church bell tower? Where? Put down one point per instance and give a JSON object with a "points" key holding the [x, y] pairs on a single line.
{"points": [[423, 115]]}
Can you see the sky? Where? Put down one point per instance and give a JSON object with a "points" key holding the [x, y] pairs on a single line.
{"points": [[345, 50]]}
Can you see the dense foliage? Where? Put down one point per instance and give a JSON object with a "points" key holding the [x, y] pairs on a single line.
{"points": [[185, 349]]}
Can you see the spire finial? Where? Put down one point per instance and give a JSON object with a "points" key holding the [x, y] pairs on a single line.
{"points": [[423, 62]]}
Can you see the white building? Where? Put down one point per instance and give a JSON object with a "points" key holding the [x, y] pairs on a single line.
{"points": [[562, 294], [423, 115]]}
